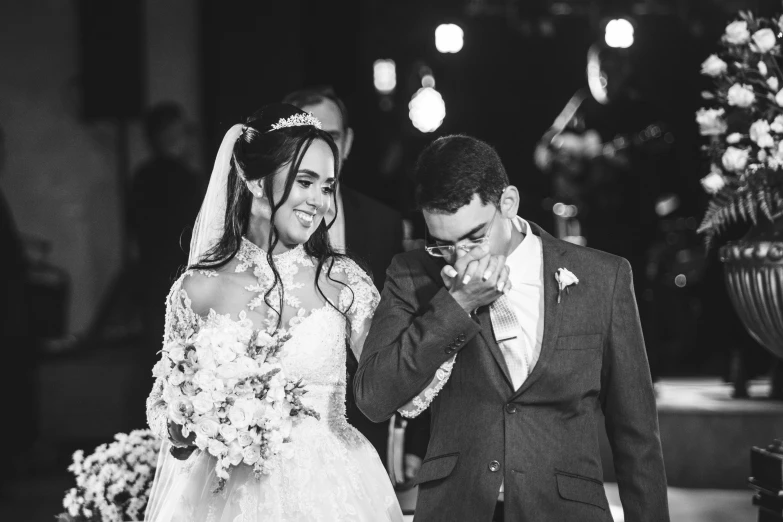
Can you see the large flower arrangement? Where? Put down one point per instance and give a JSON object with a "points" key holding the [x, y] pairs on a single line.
{"points": [[226, 385], [113, 483], [745, 126]]}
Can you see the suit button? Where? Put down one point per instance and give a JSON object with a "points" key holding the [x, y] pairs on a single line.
{"points": [[494, 466], [461, 338], [449, 350], [511, 408]]}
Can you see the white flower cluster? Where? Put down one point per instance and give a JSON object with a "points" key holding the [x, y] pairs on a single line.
{"points": [[113, 484], [747, 76], [227, 386]]}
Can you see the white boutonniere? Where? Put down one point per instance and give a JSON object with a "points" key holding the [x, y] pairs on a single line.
{"points": [[564, 279]]}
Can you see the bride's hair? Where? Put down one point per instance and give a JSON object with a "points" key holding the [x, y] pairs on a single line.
{"points": [[258, 155]]}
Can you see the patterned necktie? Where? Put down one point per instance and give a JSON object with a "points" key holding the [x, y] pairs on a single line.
{"points": [[506, 327]]}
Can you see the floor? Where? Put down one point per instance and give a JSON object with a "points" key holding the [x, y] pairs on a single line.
{"points": [[39, 499]]}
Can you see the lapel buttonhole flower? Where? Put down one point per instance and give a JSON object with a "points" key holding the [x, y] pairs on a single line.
{"points": [[564, 279]]}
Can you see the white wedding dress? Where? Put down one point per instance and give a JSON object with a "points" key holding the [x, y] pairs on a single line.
{"points": [[333, 474]]}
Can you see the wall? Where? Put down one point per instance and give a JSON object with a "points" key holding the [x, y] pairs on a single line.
{"points": [[61, 178]]}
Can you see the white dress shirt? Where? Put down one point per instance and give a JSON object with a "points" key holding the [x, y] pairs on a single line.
{"points": [[526, 272]]}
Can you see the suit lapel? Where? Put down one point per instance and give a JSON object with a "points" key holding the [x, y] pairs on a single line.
{"points": [[553, 254]]}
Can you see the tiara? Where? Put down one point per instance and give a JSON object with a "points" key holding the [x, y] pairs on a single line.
{"points": [[297, 120]]}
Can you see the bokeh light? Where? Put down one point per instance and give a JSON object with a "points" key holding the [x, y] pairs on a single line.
{"points": [[384, 76], [449, 38], [619, 33], [427, 109]]}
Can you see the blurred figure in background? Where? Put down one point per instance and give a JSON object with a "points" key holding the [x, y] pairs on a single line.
{"points": [[609, 157], [15, 339], [372, 232], [164, 201]]}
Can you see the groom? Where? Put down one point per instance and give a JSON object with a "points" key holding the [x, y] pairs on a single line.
{"points": [[540, 359]]}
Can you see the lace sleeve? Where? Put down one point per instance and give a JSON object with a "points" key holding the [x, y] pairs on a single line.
{"points": [[358, 299], [181, 322], [422, 401]]}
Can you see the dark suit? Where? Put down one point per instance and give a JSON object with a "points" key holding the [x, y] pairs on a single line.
{"points": [[542, 439], [373, 235]]}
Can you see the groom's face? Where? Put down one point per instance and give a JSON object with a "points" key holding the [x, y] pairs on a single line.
{"points": [[469, 224]]}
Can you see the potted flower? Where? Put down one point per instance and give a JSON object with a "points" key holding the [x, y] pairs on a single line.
{"points": [[113, 483], [744, 125]]}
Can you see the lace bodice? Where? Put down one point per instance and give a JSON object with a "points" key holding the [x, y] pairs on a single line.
{"points": [[238, 296]]}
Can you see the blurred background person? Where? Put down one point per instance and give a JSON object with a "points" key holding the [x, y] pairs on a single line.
{"points": [[609, 156], [165, 198], [372, 232]]}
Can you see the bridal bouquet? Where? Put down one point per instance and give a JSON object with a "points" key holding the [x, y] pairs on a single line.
{"points": [[113, 484], [745, 125], [227, 386]]}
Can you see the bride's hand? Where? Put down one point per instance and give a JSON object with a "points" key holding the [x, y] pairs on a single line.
{"points": [[176, 437]]}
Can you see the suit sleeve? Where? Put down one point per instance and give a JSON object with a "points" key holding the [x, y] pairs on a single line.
{"points": [[630, 410], [407, 343]]}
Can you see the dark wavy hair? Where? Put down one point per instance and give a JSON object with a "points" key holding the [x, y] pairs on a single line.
{"points": [[453, 168], [258, 154]]}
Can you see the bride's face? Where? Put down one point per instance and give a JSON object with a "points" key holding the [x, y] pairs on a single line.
{"points": [[310, 197]]}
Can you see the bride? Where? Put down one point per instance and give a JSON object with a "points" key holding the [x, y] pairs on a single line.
{"points": [[260, 260]]}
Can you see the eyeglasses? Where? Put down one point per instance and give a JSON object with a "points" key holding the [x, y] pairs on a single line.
{"points": [[465, 245]]}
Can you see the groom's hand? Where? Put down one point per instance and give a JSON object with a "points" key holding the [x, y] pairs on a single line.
{"points": [[476, 279]]}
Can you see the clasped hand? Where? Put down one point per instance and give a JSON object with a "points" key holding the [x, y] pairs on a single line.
{"points": [[477, 278]]}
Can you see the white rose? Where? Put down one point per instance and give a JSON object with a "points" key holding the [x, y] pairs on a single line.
{"points": [[228, 432], [711, 122], [777, 124], [737, 32], [779, 152], [763, 68], [758, 129], [713, 182], [205, 379], [772, 81], [734, 137], [205, 358], [217, 448], [177, 354], [565, 278], [251, 454], [766, 141], [202, 403], [230, 370], [180, 410], [241, 414], [779, 98], [741, 95], [223, 355], [713, 66], [764, 40], [734, 159], [762, 155], [188, 388], [176, 377], [244, 438], [207, 427]]}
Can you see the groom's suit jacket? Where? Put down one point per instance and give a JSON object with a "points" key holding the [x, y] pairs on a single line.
{"points": [[542, 439]]}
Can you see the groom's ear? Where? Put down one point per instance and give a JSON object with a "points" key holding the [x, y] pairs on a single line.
{"points": [[509, 202]]}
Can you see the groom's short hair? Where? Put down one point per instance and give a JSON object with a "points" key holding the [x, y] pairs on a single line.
{"points": [[453, 168]]}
